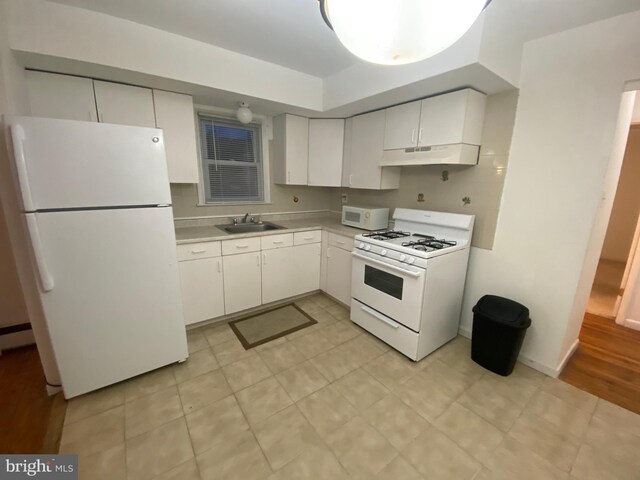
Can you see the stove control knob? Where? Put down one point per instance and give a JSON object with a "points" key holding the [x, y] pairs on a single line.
{"points": [[403, 257], [361, 245], [411, 260], [383, 252], [367, 247]]}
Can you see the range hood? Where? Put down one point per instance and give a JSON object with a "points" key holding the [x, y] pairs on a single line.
{"points": [[455, 154]]}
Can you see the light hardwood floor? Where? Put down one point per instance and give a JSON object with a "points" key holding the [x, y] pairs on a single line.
{"points": [[607, 362]]}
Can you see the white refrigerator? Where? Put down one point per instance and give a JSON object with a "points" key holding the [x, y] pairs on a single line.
{"points": [[97, 210]]}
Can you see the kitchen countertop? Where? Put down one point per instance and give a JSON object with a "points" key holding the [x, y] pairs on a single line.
{"points": [[209, 233]]}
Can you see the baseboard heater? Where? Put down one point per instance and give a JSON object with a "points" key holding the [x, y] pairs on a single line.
{"points": [[21, 327]]}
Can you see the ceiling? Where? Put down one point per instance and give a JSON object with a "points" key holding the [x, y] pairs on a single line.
{"points": [[290, 33]]}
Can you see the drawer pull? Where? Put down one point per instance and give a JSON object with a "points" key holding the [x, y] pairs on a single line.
{"points": [[380, 317], [198, 251], [339, 242], [242, 246], [278, 242], [308, 238]]}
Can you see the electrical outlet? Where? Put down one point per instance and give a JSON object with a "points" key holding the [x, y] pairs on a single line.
{"points": [[345, 198], [421, 197]]}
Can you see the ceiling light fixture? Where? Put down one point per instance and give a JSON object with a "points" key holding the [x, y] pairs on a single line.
{"points": [[244, 114], [397, 32]]}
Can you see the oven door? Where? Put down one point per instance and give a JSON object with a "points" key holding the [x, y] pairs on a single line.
{"points": [[392, 288]]}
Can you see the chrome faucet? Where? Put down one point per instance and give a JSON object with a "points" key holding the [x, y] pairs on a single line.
{"points": [[246, 215]]}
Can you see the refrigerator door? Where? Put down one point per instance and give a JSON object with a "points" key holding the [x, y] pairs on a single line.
{"points": [[64, 164], [113, 303]]}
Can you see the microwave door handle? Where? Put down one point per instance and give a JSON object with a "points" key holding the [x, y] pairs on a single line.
{"points": [[386, 265]]}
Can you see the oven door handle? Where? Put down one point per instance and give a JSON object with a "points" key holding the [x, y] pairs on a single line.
{"points": [[379, 316], [390, 267]]}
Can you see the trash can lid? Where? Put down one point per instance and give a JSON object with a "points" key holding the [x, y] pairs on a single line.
{"points": [[503, 310]]}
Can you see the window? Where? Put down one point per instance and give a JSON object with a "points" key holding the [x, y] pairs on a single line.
{"points": [[231, 157]]}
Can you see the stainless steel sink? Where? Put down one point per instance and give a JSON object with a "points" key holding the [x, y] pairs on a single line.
{"points": [[250, 227]]}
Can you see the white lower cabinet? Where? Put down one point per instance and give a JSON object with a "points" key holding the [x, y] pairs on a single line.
{"points": [[306, 264], [202, 290], [217, 281], [338, 268], [278, 274], [242, 281]]}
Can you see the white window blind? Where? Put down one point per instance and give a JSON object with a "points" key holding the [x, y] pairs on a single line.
{"points": [[231, 161]]}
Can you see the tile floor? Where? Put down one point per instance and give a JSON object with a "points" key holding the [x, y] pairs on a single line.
{"points": [[332, 402]]}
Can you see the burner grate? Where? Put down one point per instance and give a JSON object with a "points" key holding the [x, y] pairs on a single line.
{"points": [[386, 234], [428, 243]]}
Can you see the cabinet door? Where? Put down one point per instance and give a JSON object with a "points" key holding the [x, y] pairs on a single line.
{"points": [[61, 96], [326, 141], [175, 116], [306, 261], [339, 274], [401, 126], [124, 104], [202, 291], [291, 149], [242, 281], [366, 135], [278, 274], [455, 117]]}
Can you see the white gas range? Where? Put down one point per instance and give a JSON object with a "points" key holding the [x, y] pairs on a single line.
{"points": [[407, 283]]}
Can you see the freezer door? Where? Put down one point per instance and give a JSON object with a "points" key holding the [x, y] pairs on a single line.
{"points": [[70, 164], [113, 304]]}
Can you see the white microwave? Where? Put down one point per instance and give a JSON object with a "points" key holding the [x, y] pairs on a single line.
{"points": [[365, 218]]}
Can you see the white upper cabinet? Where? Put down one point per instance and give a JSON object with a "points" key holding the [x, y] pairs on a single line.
{"points": [[456, 117], [175, 116], [61, 96], [124, 104], [363, 150], [326, 140], [401, 126], [447, 119], [290, 149]]}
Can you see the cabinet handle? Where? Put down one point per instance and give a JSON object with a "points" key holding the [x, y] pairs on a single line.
{"points": [[279, 242], [242, 246], [339, 242], [413, 135], [351, 179], [420, 136], [328, 252], [198, 251], [258, 259], [288, 176], [307, 238], [219, 266]]}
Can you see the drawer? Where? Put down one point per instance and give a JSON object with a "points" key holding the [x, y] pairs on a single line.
{"points": [[390, 332], [302, 238], [193, 251], [242, 245], [269, 242], [346, 243]]}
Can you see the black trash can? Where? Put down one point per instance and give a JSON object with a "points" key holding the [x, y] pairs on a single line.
{"points": [[499, 326]]}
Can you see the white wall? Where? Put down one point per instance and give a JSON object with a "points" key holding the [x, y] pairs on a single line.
{"points": [[570, 91], [56, 30]]}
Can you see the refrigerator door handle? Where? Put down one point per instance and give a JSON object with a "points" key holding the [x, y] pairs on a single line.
{"points": [[17, 138], [46, 280]]}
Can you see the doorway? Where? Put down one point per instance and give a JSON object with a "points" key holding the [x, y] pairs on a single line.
{"points": [[621, 240], [606, 361]]}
